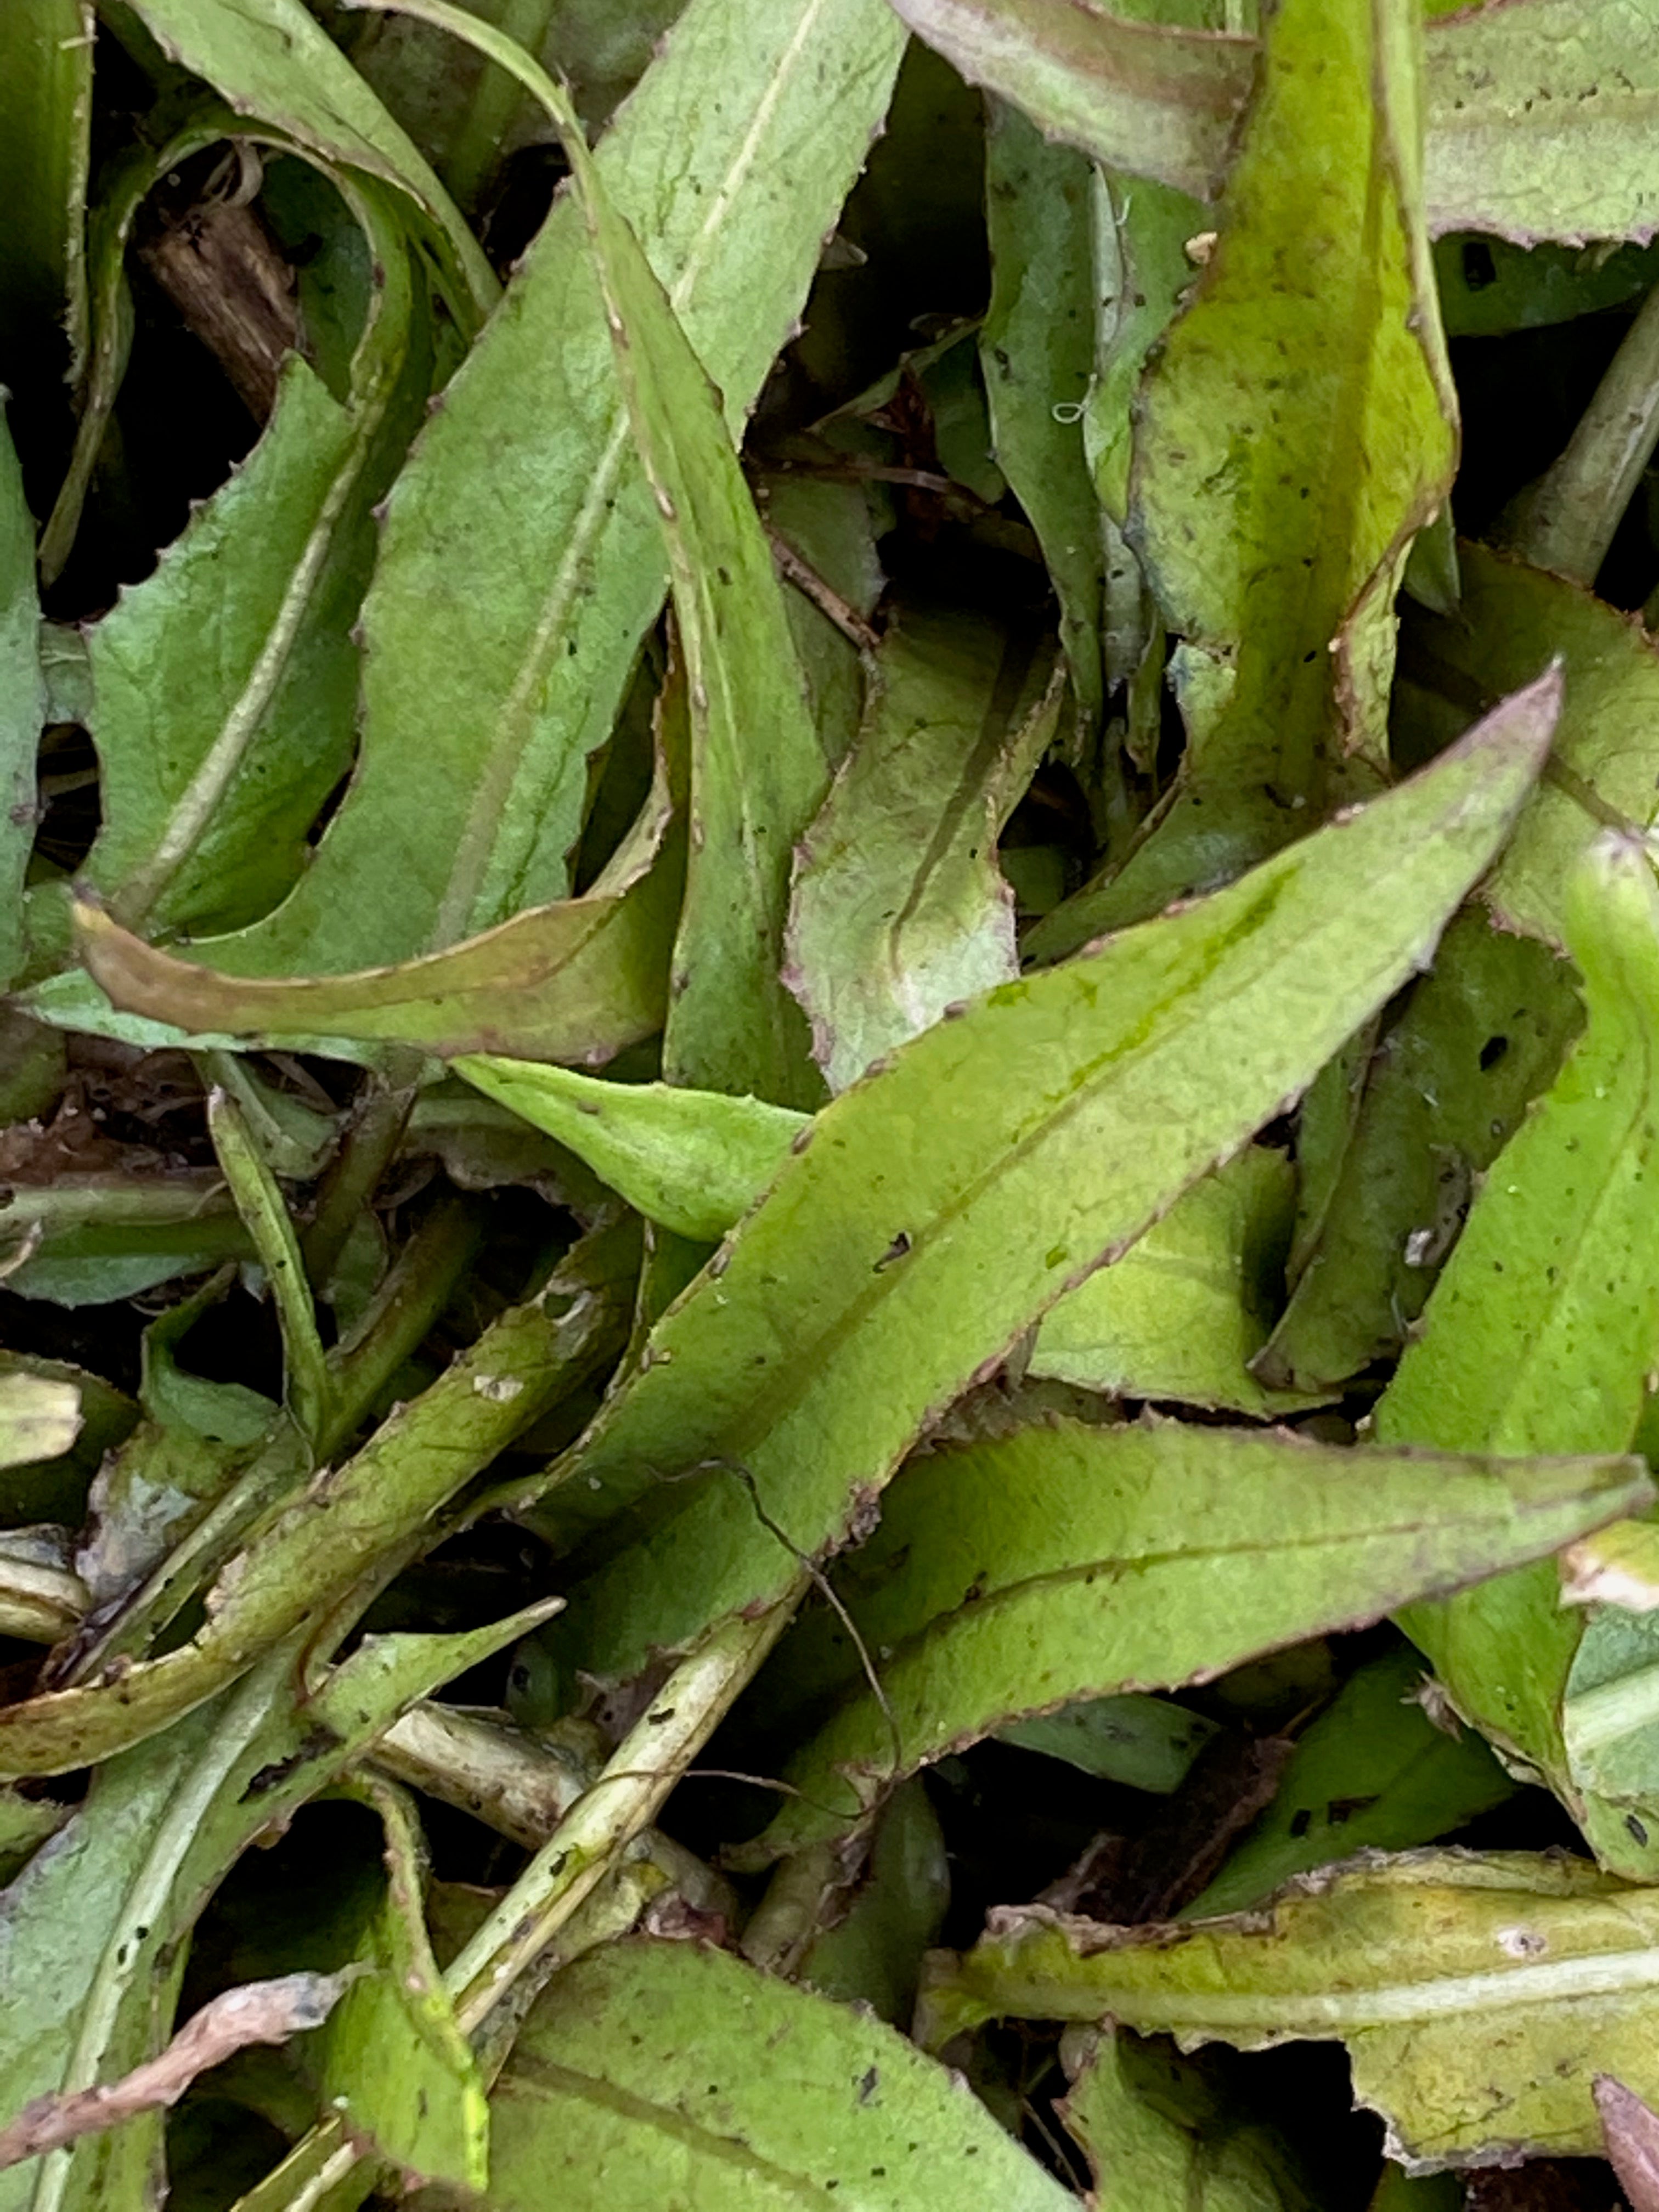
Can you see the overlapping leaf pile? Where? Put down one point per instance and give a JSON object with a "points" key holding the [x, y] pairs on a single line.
{"points": [[831, 1101]]}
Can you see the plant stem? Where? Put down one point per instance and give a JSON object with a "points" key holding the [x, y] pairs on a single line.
{"points": [[1566, 520], [627, 1797], [366, 1152]]}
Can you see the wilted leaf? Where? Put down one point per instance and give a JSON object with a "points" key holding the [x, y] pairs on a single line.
{"points": [[1072, 1562], [899, 909], [1374, 1773], [256, 2012], [944, 1205], [1633, 2141], [576, 981], [655, 2069], [1476, 1995]]}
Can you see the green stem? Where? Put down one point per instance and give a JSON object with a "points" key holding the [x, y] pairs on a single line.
{"points": [[368, 1149], [1565, 521], [627, 1797]]}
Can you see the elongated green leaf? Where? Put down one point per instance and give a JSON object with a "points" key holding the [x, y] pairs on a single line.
{"points": [[694, 1160], [260, 1200], [274, 63], [86, 1240], [899, 908], [657, 2072], [1181, 1317], [1274, 512], [23, 702], [1150, 98], [225, 685], [1037, 349], [46, 129], [307, 1552], [131, 1871], [1544, 1327], [1605, 768], [757, 772], [525, 499], [575, 981], [1159, 2136], [1477, 1995], [1374, 1773], [392, 2060], [1074, 1562], [944, 1205], [1538, 115], [1448, 1085]]}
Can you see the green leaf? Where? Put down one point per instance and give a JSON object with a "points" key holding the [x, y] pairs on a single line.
{"points": [[1037, 350], [1374, 1773], [1159, 2136], [899, 908], [1477, 1995], [1145, 1743], [694, 1160], [273, 62], [944, 1205], [1489, 288], [23, 702], [1543, 1329], [651, 2071], [526, 498], [1183, 1313], [1070, 1561], [1273, 513], [1150, 98], [1140, 233], [872, 1955], [577, 979], [89, 1240], [306, 1384], [391, 2062], [46, 128], [225, 685], [1605, 767], [307, 1551], [1481, 1036]]}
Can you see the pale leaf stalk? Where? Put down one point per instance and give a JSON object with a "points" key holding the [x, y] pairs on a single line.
{"points": [[1566, 520], [627, 1797]]}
